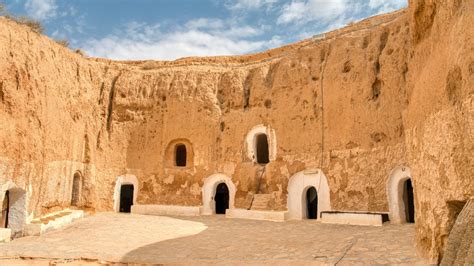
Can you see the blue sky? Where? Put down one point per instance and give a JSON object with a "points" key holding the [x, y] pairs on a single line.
{"points": [[170, 29]]}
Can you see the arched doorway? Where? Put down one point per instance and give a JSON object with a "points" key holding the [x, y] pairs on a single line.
{"points": [[76, 188], [5, 210], [408, 201], [308, 195], [400, 193], [126, 197], [222, 198], [312, 203]]}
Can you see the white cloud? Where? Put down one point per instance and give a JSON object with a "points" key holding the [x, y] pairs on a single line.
{"points": [[304, 11], [249, 4], [384, 6], [41, 9], [202, 37]]}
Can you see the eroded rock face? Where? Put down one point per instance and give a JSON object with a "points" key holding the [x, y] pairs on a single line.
{"points": [[394, 90]]}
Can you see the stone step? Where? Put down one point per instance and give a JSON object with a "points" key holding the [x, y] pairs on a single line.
{"points": [[260, 201]]}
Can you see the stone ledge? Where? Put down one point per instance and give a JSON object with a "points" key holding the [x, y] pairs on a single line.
{"points": [[172, 210], [353, 218], [276, 216]]}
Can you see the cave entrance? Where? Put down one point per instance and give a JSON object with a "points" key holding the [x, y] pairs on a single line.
{"points": [[222, 198], [180, 155], [5, 210], [126, 198], [262, 149], [408, 200], [76, 186], [312, 203]]}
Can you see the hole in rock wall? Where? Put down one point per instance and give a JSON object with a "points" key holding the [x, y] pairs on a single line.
{"points": [[222, 198], [126, 198], [180, 155], [408, 200], [262, 149], [76, 188], [312, 203]]}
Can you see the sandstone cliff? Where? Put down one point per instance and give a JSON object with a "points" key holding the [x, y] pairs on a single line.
{"points": [[393, 90]]}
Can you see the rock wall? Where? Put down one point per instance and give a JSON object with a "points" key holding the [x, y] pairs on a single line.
{"points": [[393, 90], [439, 120]]}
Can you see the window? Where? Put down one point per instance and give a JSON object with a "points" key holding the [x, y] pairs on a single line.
{"points": [[180, 155], [262, 149]]}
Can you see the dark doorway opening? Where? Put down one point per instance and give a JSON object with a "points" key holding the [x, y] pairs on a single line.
{"points": [[222, 198], [312, 203], [126, 198], [76, 186], [180, 155], [5, 210], [262, 149], [409, 201]]}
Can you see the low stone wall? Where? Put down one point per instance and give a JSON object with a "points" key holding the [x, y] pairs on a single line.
{"points": [[171, 210]]}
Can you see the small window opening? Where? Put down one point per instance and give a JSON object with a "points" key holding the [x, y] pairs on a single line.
{"points": [[262, 149], [180, 155]]}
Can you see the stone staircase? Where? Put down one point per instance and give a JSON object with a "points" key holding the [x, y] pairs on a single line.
{"points": [[261, 201], [52, 221]]}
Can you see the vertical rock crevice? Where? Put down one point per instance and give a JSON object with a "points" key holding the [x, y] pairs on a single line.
{"points": [[111, 102]]}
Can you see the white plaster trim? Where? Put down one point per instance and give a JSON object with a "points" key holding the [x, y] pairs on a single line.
{"points": [[124, 180], [298, 185], [395, 193], [251, 142], [209, 191], [18, 214]]}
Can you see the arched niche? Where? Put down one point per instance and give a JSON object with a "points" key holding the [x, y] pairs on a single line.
{"points": [[297, 189], [76, 188], [395, 193], [254, 140], [124, 180], [17, 214], [179, 154], [209, 191]]}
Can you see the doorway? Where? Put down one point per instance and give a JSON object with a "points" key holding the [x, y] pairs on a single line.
{"points": [[126, 198], [262, 149], [5, 210], [222, 198], [312, 203], [408, 200]]}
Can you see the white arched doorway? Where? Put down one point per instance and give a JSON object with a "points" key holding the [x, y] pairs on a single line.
{"points": [[17, 202], [209, 191], [398, 203], [298, 187], [119, 184]]}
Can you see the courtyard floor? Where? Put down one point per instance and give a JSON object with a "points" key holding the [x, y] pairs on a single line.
{"points": [[129, 238]]}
